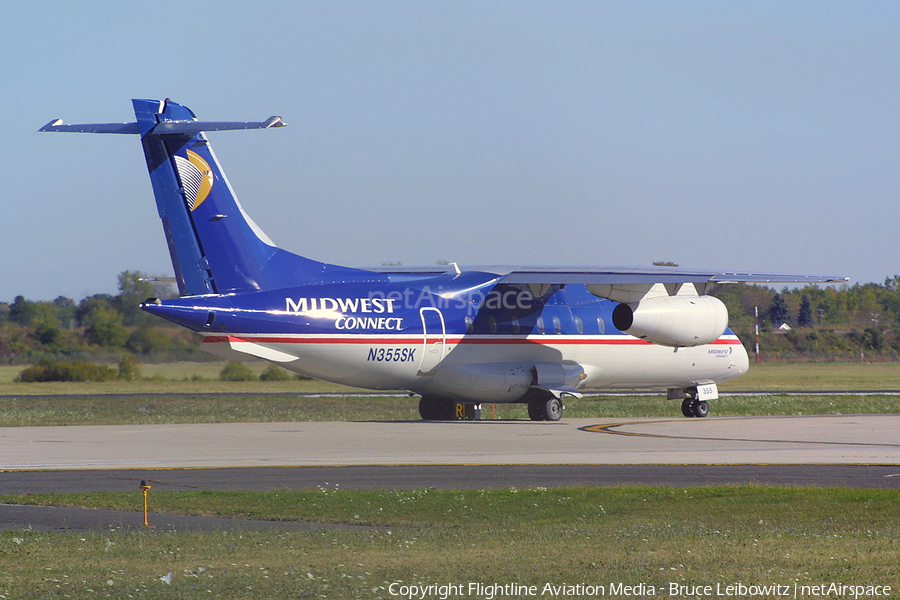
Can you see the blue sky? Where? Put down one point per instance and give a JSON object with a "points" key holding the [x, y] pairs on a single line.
{"points": [[751, 136]]}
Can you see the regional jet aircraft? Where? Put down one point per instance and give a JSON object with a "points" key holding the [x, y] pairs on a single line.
{"points": [[453, 336]]}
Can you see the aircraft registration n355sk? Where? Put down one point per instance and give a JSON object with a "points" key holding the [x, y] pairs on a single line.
{"points": [[504, 334]]}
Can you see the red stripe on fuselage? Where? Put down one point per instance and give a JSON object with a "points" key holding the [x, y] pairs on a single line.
{"points": [[547, 340]]}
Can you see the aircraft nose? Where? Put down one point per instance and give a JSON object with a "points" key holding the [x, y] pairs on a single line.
{"points": [[740, 361]]}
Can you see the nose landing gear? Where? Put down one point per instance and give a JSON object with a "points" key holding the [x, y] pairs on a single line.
{"points": [[694, 399], [691, 407]]}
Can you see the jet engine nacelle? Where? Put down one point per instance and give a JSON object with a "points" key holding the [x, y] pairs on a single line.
{"points": [[676, 321]]}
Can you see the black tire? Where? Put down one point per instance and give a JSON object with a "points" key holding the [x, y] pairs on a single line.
{"points": [[432, 409], [553, 409], [701, 408], [687, 407], [536, 411]]}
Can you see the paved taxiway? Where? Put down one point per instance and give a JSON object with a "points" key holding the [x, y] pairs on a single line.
{"points": [[854, 450], [839, 439]]}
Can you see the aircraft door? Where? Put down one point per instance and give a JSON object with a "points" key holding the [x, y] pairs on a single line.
{"points": [[434, 336]]}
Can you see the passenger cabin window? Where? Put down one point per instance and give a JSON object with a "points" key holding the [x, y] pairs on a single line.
{"points": [[601, 325], [540, 324], [557, 326], [492, 322], [469, 324], [515, 325], [579, 325]]}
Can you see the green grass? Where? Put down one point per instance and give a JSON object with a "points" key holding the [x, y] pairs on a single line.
{"points": [[24, 411], [181, 400], [187, 377], [818, 376], [155, 409], [598, 536]]}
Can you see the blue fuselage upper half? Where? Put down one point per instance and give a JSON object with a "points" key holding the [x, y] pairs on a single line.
{"points": [[469, 303]]}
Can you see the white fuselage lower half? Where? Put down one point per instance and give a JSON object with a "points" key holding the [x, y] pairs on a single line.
{"points": [[414, 362]]}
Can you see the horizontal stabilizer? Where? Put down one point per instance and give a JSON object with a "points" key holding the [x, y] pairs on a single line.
{"points": [[165, 127]]}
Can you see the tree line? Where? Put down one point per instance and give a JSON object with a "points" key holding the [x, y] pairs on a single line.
{"points": [[804, 323], [817, 323], [102, 327]]}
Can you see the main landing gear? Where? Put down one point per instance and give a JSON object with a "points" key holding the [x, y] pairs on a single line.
{"points": [[435, 409], [432, 409], [540, 408], [546, 409]]}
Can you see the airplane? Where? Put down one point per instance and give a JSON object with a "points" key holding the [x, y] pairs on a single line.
{"points": [[455, 337]]}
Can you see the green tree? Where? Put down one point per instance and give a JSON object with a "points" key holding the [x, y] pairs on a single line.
{"points": [[91, 303], [274, 373], [103, 327], [237, 371], [129, 368], [66, 371], [148, 340], [805, 316], [20, 311], [66, 311], [133, 290], [47, 334], [778, 312]]}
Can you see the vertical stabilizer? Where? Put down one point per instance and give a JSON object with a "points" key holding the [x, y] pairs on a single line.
{"points": [[192, 270]]}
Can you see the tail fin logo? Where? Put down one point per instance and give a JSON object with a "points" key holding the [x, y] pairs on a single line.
{"points": [[196, 178]]}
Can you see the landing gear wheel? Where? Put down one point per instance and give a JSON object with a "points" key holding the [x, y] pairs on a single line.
{"points": [[701, 408], [553, 409], [432, 409], [536, 410], [687, 407]]}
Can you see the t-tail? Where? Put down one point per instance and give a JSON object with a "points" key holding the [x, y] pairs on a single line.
{"points": [[216, 248]]}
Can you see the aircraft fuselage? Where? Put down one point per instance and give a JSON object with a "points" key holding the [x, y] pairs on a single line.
{"points": [[459, 337]]}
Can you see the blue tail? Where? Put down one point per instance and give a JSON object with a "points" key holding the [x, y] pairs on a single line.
{"points": [[216, 247]]}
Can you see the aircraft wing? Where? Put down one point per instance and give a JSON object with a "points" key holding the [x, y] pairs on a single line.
{"points": [[645, 275], [622, 284], [588, 275], [632, 284]]}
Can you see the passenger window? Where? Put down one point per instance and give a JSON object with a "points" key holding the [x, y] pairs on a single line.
{"points": [[601, 325], [579, 325], [469, 324], [492, 322], [540, 324], [557, 326], [515, 325]]}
